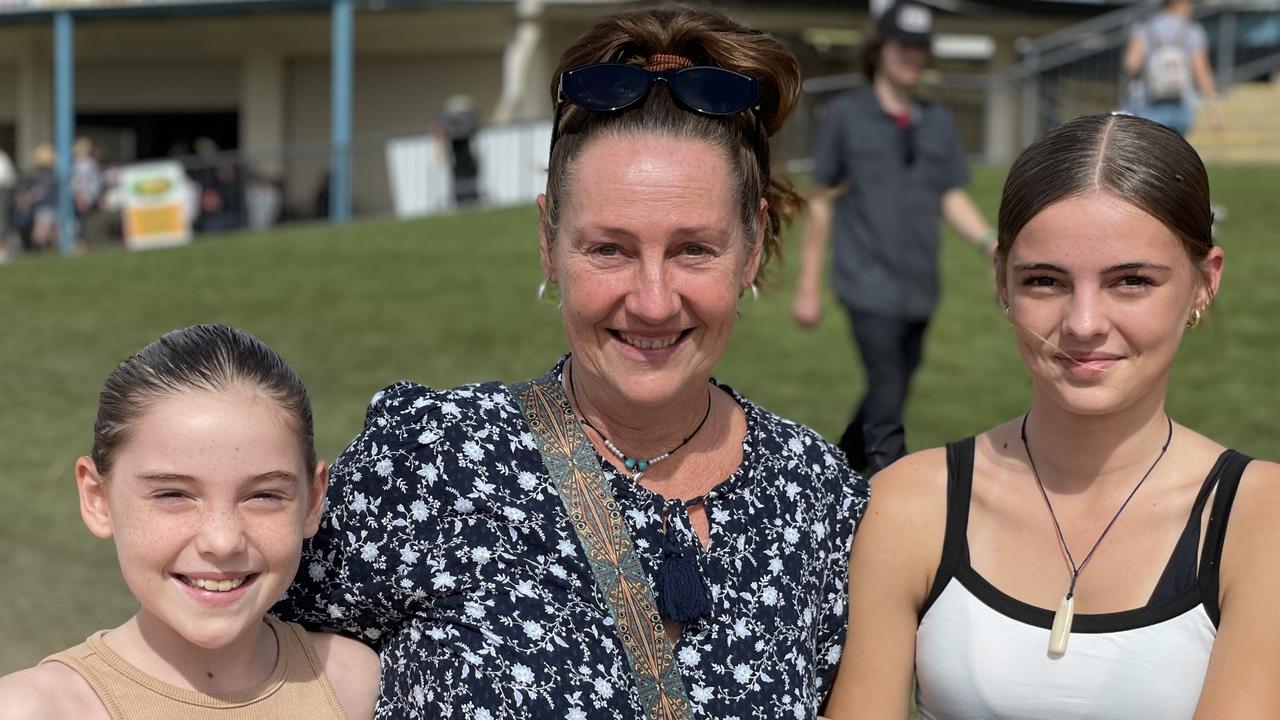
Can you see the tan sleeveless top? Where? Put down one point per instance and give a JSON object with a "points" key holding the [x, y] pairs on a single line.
{"points": [[297, 687]]}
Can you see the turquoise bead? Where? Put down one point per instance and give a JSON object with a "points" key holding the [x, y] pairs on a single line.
{"points": [[630, 463], [642, 466]]}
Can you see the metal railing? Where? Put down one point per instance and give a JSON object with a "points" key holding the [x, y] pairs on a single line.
{"points": [[1079, 69], [1074, 71]]}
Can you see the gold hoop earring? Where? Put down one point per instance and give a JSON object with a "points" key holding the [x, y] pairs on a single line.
{"points": [[1194, 319]]}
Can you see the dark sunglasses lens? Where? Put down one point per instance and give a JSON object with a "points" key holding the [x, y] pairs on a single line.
{"points": [[714, 91], [605, 88]]}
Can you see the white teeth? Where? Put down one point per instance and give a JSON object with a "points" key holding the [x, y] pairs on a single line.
{"points": [[649, 343], [215, 585]]}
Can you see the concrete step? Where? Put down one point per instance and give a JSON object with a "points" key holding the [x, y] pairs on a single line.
{"points": [[1252, 134], [1233, 136], [1241, 156]]}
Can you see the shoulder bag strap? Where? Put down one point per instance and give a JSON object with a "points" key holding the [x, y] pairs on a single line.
{"points": [[593, 511]]}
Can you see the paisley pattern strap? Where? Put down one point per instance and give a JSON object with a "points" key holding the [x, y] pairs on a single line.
{"points": [[575, 469]]}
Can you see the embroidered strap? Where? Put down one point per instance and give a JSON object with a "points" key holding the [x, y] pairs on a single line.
{"points": [[575, 469]]}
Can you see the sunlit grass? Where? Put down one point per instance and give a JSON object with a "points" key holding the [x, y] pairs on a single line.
{"points": [[451, 300]]}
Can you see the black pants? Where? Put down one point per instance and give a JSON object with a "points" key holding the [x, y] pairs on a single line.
{"points": [[890, 349]]}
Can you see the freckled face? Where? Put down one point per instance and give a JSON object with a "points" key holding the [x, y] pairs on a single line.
{"points": [[1099, 294], [651, 259], [209, 500]]}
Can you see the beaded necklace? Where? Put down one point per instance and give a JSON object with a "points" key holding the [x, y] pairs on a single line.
{"points": [[635, 465]]}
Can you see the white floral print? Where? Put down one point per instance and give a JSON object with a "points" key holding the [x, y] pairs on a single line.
{"points": [[445, 546]]}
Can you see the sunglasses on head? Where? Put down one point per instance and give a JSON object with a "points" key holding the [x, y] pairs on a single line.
{"points": [[613, 87]]}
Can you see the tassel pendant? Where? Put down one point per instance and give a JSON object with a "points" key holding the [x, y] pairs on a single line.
{"points": [[681, 592], [1061, 626]]}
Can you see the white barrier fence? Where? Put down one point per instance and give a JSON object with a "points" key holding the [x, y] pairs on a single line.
{"points": [[512, 163]]}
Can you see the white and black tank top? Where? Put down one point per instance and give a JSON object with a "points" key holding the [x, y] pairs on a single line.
{"points": [[981, 654]]}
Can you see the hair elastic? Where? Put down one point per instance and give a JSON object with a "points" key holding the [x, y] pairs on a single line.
{"points": [[662, 61]]}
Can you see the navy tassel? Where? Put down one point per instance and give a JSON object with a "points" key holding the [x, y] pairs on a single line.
{"points": [[682, 593]]}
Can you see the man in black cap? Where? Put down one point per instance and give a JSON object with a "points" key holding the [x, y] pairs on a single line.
{"points": [[887, 167]]}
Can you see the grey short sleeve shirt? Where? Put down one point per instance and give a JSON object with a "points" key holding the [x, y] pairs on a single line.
{"points": [[885, 229]]}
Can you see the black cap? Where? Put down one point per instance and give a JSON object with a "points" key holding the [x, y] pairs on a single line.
{"points": [[907, 21]]}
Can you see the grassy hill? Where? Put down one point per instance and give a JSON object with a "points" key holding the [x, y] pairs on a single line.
{"points": [[451, 300]]}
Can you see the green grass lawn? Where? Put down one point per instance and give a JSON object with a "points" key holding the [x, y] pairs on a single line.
{"points": [[451, 300]]}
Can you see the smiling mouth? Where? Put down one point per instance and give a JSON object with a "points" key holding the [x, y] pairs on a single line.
{"points": [[650, 343], [210, 585], [1087, 360]]}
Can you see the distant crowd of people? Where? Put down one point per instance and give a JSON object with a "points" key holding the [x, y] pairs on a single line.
{"points": [[224, 190], [221, 195]]}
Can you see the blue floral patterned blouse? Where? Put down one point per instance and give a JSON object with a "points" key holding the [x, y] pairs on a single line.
{"points": [[445, 546]]}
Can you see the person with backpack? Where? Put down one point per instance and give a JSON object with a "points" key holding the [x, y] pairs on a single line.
{"points": [[1167, 61]]}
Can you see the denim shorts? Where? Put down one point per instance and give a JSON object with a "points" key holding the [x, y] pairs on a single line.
{"points": [[1173, 114]]}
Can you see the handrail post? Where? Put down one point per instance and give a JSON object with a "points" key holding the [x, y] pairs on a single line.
{"points": [[341, 64], [1030, 97], [64, 115], [1226, 50]]}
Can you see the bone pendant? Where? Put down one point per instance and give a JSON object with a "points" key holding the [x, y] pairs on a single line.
{"points": [[1061, 627]]}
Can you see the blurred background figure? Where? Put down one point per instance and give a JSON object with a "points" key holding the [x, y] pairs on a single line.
{"points": [[86, 177], [886, 166], [1167, 62], [264, 201], [456, 127], [87, 187], [35, 215], [8, 179], [221, 199]]}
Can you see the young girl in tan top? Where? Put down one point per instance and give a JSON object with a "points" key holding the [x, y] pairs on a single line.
{"points": [[204, 472]]}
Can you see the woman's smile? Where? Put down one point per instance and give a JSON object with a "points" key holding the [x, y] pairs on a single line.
{"points": [[650, 347]]}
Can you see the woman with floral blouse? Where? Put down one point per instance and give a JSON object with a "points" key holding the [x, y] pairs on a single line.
{"points": [[623, 537]]}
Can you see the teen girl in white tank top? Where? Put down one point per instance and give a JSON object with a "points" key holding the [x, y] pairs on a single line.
{"points": [[981, 654], [1053, 568]]}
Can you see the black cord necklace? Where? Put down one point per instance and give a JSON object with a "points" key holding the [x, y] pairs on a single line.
{"points": [[636, 465], [1062, 619]]}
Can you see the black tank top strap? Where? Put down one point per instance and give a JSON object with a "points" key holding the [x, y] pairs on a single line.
{"points": [[1230, 470], [1181, 573], [955, 542]]}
